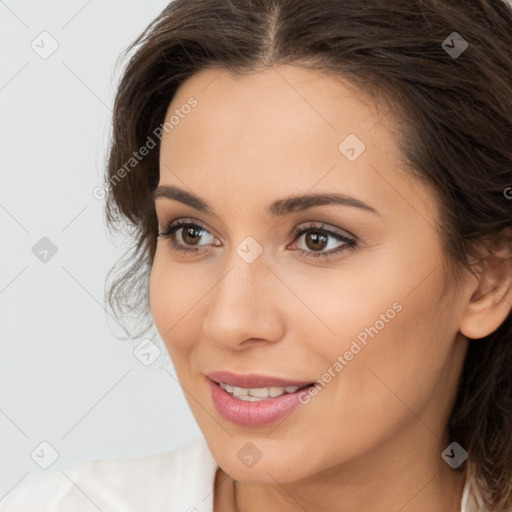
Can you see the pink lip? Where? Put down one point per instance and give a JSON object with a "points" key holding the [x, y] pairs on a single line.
{"points": [[253, 380], [252, 414]]}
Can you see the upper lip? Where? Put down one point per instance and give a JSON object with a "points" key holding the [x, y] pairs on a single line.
{"points": [[253, 380]]}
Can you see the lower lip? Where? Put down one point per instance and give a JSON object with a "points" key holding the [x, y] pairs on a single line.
{"points": [[253, 414]]}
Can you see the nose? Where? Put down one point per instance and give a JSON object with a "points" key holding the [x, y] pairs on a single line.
{"points": [[245, 306]]}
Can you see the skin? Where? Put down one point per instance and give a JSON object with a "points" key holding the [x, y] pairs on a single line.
{"points": [[372, 438]]}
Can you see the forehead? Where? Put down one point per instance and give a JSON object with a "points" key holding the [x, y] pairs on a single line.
{"points": [[284, 128], [279, 100]]}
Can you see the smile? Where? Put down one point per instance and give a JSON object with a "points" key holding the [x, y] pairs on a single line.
{"points": [[258, 394]]}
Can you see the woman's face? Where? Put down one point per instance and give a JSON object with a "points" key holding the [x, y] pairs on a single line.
{"points": [[348, 293]]}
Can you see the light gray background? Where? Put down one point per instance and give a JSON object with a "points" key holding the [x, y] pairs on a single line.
{"points": [[64, 377]]}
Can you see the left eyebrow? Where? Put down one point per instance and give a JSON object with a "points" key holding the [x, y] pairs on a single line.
{"points": [[298, 203], [278, 208]]}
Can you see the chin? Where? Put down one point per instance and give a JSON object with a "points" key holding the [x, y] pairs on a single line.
{"points": [[267, 464]]}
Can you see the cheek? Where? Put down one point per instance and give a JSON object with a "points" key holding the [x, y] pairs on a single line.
{"points": [[401, 353], [389, 322], [174, 293]]}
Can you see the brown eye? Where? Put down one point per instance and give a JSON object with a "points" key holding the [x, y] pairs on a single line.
{"points": [[191, 235], [316, 241], [186, 236]]}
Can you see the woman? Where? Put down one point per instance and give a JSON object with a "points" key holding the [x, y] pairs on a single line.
{"points": [[321, 193]]}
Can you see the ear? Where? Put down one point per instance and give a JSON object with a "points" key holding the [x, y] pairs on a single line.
{"points": [[491, 292]]}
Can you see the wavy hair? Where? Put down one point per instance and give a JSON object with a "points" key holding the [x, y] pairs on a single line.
{"points": [[455, 114]]}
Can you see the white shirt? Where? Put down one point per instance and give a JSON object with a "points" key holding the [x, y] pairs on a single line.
{"points": [[180, 480]]}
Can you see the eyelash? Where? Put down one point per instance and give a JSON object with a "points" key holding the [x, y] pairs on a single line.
{"points": [[349, 243]]}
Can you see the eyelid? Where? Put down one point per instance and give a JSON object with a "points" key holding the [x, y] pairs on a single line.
{"points": [[324, 226], [181, 222]]}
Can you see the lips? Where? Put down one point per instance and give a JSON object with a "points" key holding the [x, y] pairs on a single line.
{"points": [[253, 380]]}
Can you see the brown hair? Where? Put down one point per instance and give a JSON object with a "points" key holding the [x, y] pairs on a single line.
{"points": [[456, 114]]}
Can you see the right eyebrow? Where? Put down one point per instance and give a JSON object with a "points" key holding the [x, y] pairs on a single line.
{"points": [[182, 196]]}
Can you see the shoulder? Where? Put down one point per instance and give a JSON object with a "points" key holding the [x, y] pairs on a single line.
{"points": [[180, 479]]}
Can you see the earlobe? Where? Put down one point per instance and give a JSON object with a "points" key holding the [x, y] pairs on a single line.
{"points": [[491, 300]]}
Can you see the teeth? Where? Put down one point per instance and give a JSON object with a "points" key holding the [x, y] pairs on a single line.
{"points": [[257, 394], [250, 398], [240, 391], [275, 391]]}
